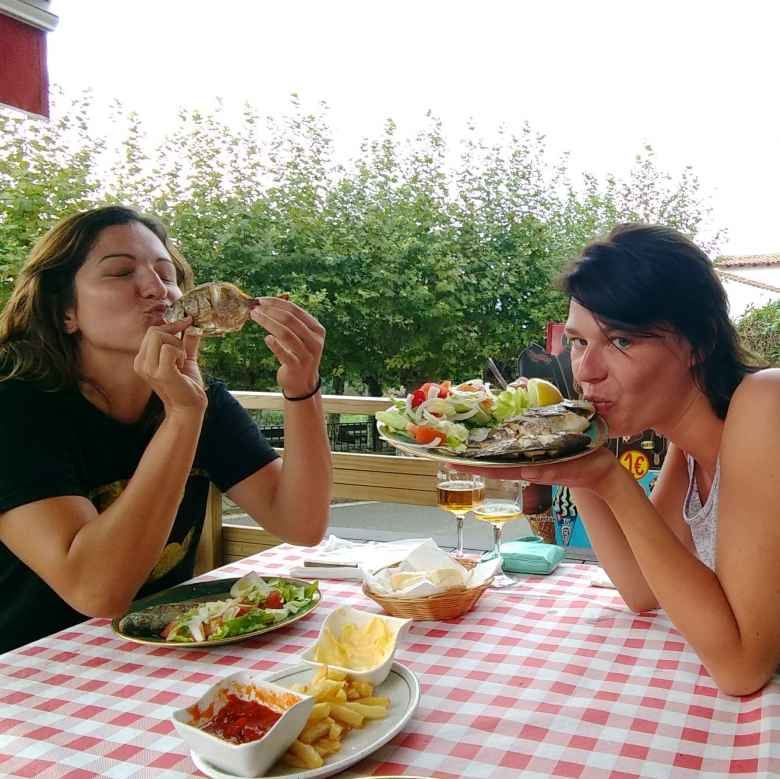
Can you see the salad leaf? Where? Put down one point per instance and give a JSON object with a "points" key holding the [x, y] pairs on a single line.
{"points": [[393, 419], [513, 401], [254, 620]]}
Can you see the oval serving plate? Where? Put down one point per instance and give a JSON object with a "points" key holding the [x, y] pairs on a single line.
{"points": [[597, 432], [401, 687], [199, 592]]}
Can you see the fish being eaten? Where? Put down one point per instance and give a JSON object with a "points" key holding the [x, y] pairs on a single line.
{"points": [[216, 308], [546, 431], [149, 622]]}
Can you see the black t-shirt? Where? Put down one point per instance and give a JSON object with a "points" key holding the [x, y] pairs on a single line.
{"points": [[58, 443]]}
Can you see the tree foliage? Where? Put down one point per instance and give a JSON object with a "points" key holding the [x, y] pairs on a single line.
{"points": [[759, 329], [420, 258]]}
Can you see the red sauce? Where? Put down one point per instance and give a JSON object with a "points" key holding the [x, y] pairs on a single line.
{"points": [[240, 721]]}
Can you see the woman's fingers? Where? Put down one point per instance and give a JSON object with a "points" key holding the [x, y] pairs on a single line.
{"points": [[285, 305], [294, 328], [164, 345], [285, 357], [535, 474], [191, 343], [171, 361]]}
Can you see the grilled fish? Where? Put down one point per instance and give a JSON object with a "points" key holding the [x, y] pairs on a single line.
{"points": [[545, 431], [216, 308]]}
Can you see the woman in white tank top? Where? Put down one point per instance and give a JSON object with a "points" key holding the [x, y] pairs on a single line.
{"points": [[652, 347]]}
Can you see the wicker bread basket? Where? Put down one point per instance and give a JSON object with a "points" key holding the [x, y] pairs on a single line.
{"points": [[445, 605]]}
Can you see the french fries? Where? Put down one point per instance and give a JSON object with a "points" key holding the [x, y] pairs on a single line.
{"points": [[341, 705]]}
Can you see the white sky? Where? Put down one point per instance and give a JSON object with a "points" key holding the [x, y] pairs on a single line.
{"points": [[697, 80]]}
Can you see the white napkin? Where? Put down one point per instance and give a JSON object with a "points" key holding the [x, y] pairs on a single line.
{"points": [[337, 558], [599, 578], [428, 570]]}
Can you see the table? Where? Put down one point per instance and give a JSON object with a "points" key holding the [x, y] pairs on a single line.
{"points": [[551, 678]]}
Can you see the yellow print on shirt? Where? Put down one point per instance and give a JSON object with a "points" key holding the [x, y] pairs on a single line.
{"points": [[171, 555]]}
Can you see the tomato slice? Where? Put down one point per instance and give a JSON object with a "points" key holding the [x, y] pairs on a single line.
{"points": [[424, 434], [418, 396], [274, 600]]}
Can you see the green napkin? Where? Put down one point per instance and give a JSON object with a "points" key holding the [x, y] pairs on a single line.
{"points": [[530, 556]]}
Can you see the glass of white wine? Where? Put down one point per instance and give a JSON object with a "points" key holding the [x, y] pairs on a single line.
{"points": [[503, 503], [458, 491]]}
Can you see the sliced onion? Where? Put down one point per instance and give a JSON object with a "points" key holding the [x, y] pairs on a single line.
{"points": [[465, 415]]}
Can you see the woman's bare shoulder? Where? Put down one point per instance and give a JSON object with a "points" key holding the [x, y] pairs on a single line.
{"points": [[754, 409], [757, 390]]}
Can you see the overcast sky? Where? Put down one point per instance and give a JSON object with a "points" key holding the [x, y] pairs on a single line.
{"points": [[697, 80]]}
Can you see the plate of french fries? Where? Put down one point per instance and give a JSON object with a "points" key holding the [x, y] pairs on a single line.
{"points": [[350, 720]]}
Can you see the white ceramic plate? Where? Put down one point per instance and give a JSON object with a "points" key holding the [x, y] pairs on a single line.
{"points": [[401, 686], [597, 432]]}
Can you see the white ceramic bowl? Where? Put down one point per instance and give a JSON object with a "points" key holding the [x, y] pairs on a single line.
{"points": [[345, 615], [255, 757]]}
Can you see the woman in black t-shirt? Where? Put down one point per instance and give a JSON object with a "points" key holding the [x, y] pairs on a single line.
{"points": [[110, 436]]}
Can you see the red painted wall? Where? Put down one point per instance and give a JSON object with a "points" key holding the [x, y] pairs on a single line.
{"points": [[24, 79]]}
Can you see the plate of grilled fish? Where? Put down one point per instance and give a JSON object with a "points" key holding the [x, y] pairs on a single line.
{"points": [[546, 434]]}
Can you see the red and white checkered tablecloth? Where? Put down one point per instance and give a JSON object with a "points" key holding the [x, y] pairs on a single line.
{"points": [[553, 678]]}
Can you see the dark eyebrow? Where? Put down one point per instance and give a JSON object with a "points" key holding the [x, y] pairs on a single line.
{"points": [[109, 256], [133, 257]]}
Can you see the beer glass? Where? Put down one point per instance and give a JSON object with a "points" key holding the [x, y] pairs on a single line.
{"points": [[503, 503], [458, 491]]}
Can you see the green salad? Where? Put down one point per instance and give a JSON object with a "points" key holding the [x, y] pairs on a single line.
{"points": [[255, 603]]}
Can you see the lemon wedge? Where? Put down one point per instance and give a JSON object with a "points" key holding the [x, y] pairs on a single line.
{"points": [[543, 393]]}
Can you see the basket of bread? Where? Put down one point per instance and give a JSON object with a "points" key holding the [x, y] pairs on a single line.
{"points": [[430, 584]]}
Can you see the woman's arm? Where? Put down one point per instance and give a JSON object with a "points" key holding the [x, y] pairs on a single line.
{"points": [[730, 616], [98, 562], [609, 542], [292, 498]]}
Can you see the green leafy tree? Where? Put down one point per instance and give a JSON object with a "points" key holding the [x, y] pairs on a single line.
{"points": [[47, 170], [759, 329], [419, 267]]}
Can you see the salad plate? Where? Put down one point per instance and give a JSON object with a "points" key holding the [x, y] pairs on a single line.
{"points": [[401, 687], [146, 617], [597, 432]]}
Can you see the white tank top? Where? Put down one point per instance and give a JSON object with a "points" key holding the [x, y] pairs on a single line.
{"points": [[702, 520]]}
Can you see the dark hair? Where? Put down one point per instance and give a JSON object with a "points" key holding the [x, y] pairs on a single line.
{"points": [[33, 343], [652, 278]]}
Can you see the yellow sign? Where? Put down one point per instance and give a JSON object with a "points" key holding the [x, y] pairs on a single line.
{"points": [[636, 463]]}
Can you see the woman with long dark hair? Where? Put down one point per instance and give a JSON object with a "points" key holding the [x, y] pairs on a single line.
{"points": [[652, 347], [110, 436]]}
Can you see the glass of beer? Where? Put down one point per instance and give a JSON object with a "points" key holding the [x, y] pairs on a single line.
{"points": [[503, 503], [458, 491]]}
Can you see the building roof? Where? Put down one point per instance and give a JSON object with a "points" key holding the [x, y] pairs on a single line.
{"points": [[748, 261], [750, 282]]}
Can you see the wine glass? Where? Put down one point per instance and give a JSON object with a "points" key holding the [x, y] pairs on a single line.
{"points": [[458, 491], [504, 503]]}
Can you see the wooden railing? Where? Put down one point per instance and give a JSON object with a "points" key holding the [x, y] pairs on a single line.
{"points": [[380, 477]]}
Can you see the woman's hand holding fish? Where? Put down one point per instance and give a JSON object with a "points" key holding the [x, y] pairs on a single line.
{"points": [[168, 361], [296, 338], [598, 472]]}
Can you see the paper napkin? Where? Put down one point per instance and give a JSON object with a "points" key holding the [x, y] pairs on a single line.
{"points": [[338, 558], [427, 570]]}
